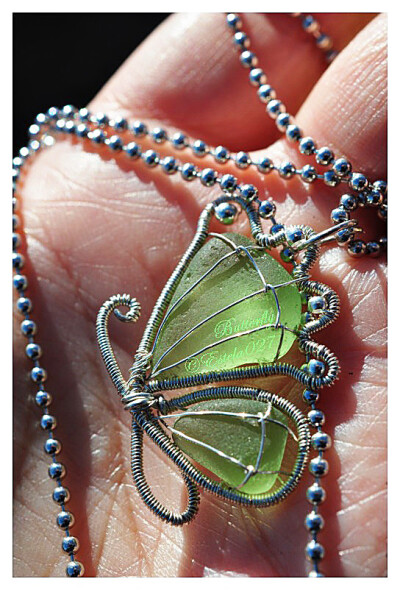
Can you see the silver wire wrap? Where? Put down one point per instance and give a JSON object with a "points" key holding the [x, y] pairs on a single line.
{"points": [[137, 393]]}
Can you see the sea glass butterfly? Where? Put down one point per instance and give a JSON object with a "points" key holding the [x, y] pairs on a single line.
{"points": [[230, 312]]}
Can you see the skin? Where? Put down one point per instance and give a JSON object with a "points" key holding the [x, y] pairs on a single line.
{"points": [[96, 225]]}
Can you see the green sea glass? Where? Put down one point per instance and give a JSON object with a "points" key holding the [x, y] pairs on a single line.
{"points": [[231, 280], [236, 437]]}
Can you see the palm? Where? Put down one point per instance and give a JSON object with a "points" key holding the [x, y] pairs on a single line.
{"points": [[98, 225]]}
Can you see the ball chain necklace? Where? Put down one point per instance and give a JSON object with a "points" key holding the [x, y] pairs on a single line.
{"points": [[228, 313]]}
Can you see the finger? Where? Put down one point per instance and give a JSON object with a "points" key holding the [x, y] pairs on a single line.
{"points": [[187, 74], [347, 111]]}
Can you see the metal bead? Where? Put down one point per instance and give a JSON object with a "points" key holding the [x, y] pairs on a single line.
{"points": [[266, 93], [15, 222], [307, 146], [208, 177], [150, 158], [119, 123], [318, 467], [18, 260], [159, 135], [309, 24], [69, 110], [314, 522], [315, 574], [97, 136], [358, 182], [287, 170], [321, 441], [38, 375], [199, 148], [317, 304], [60, 125], [316, 494], [43, 399], [114, 143], [316, 367], [383, 242], [33, 351], [314, 551], [24, 305], [323, 41], [16, 242], [24, 153], [330, 178], [15, 204], [361, 199], [294, 234], [221, 154], [70, 127], [52, 446], [308, 173], [381, 186], [349, 202], [234, 21], [249, 192], [48, 422], [169, 165], [316, 418], [338, 215], [324, 156], [274, 107], [101, 119], [53, 113], [241, 40], [75, 569], [310, 396], [228, 183], [84, 114], [189, 172], [41, 119], [70, 544], [82, 130], [382, 212], [65, 519], [344, 236], [282, 121], [374, 198], [132, 149], [28, 328], [267, 209], [356, 248], [265, 165], [139, 129], [56, 471], [20, 282], [34, 130], [226, 213], [287, 255], [248, 59], [276, 228], [341, 167], [372, 249], [242, 160], [179, 141], [293, 133], [61, 495], [257, 77]]}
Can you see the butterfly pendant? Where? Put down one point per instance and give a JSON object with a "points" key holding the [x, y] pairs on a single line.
{"points": [[230, 312]]}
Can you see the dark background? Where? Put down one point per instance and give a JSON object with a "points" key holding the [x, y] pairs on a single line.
{"points": [[65, 58]]}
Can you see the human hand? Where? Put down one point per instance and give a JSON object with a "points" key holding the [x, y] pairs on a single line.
{"points": [[98, 224]]}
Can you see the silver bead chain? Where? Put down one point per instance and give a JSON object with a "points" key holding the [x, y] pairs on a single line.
{"points": [[121, 137]]}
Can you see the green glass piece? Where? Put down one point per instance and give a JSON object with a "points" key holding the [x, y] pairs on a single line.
{"points": [[236, 437], [233, 279]]}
